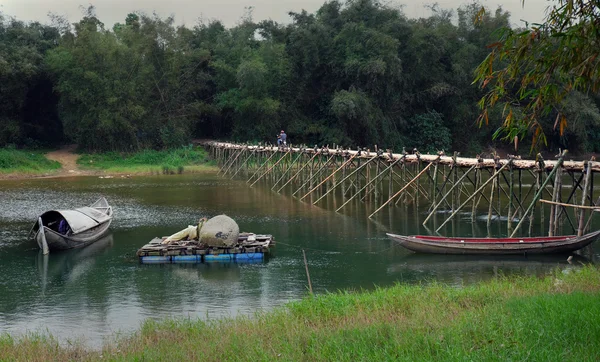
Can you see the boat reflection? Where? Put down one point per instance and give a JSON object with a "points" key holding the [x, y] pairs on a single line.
{"points": [[71, 265], [467, 269]]}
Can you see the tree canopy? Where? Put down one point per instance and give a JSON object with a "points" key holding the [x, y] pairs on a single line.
{"points": [[353, 73]]}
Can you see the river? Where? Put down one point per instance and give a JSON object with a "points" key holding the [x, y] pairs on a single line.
{"points": [[101, 291]]}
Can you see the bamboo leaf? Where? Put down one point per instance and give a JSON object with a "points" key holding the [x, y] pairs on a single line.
{"points": [[563, 125]]}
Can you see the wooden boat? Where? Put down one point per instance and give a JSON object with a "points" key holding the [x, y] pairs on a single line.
{"points": [[68, 229], [495, 246]]}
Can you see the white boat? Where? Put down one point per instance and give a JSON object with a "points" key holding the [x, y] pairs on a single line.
{"points": [[68, 229]]}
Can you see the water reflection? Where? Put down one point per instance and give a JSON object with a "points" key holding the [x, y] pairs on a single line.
{"points": [[466, 269], [70, 266]]}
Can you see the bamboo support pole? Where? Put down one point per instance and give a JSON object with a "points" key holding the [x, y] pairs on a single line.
{"points": [[371, 188], [521, 189], [538, 194], [517, 201], [474, 207], [458, 182], [472, 196], [583, 207], [243, 163], [256, 172], [377, 180], [401, 183], [377, 174], [307, 273], [404, 178], [327, 178], [318, 172], [411, 176], [391, 183], [434, 184], [344, 179], [291, 166], [557, 220], [481, 194], [489, 217], [520, 209], [270, 168], [455, 195], [232, 162], [367, 185], [555, 192], [576, 185], [536, 188], [298, 172], [440, 190], [588, 174], [357, 180], [418, 166], [510, 198], [416, 178]]}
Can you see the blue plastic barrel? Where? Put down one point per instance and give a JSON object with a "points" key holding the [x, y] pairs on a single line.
{"points": [[218, 257], [249, 256], [155, 259], [187, 259]]}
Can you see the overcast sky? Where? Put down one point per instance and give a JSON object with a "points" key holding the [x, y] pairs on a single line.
{"points": [[229, 11]]}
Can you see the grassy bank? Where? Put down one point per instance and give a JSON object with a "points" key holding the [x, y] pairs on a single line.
{"points": [[148, 161], [554, 318], [25, 162]]}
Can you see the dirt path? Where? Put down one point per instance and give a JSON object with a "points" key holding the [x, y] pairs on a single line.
{"points": [[68, 159]]}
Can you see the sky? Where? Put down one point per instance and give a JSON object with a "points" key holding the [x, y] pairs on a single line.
{"points": [[188, 12]]}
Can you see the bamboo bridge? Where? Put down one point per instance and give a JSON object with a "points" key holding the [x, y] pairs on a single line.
{"points": [[508, 188]]}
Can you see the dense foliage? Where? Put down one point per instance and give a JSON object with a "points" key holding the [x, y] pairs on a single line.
{"points": [[355, 73], [547, 74]]}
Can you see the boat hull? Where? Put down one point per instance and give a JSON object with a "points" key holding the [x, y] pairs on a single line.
{"points": [[508, 246], [58, 241]]}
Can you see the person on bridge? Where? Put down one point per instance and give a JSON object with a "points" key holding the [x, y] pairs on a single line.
{"points": [[282, 139], [192, 232]]}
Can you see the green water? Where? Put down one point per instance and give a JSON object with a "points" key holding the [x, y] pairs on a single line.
{"points": [[93, 293]]}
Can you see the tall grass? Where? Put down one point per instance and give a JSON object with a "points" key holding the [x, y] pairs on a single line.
{"points": [[167, 161], [18, 161], [553, 318]]}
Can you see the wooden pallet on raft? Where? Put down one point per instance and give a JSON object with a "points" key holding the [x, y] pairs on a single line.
{"points": [[186, 251]]}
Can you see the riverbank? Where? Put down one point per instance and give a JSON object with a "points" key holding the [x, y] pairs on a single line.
{"points": [[23, 164], [516, 318]]}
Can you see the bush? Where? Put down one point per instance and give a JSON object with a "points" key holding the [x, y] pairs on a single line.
{"points": [[428, 134]]}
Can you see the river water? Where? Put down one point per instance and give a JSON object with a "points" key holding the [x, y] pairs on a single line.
{"points": [[101, 291]]}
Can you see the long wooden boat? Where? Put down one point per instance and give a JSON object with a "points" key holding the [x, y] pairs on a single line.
{"points": [[68, 229], [495, 246]]}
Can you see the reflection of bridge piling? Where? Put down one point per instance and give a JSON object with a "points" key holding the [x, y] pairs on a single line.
{"points": [[449, 184]]}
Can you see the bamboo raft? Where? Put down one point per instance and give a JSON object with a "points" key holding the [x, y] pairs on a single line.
{"points": [[245, 251]]}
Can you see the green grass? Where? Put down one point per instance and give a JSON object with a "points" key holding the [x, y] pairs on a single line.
{"points": [[30, 162], [148, 161], [516, 318]]}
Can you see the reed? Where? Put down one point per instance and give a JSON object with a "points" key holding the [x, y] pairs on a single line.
{"points": [[556, 317]]}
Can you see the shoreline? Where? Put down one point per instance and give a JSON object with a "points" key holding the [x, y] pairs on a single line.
{"points": [[64, 162], [18, 176]]}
